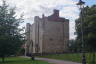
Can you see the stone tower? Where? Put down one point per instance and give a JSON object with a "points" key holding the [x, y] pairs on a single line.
{"points": [[49, 34]]}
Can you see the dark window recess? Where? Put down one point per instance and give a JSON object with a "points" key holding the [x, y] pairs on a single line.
{"points": [[51, 39]]}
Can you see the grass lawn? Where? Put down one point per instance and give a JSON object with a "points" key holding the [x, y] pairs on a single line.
{"points": [[76, 57], [19, 60]]}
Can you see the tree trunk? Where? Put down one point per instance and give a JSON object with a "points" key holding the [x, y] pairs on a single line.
{"points": [[93, 58], [90, 57], [3, 59]]}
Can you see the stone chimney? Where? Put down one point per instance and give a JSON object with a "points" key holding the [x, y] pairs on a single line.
{"points": [[56, 13]]}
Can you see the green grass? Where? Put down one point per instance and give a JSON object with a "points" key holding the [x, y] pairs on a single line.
{"points": [[69, 57], [19, 60]]}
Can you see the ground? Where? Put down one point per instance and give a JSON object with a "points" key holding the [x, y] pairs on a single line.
{"points": [[54, 61], [49, 59], [74, 57], [19, 60]]}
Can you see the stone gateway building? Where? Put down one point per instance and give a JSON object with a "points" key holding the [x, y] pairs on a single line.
{"points": [[47, 34]]}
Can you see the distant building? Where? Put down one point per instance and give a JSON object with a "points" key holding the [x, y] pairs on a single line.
{"points": [[48, 34]]}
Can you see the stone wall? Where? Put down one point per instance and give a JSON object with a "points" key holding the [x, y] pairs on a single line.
{"points": [[54, 39]]}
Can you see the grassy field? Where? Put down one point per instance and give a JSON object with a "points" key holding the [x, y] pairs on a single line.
{"points": [[69, 57], [18, 60]]}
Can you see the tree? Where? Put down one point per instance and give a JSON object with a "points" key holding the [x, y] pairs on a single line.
{"points": [[10, 37], [72, 46], [89, 29]]}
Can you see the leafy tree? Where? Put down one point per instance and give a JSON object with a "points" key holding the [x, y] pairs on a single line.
{"points": [[72, 46], [89, 29], [10, 37]]}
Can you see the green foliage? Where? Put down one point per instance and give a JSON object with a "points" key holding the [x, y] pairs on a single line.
{"points": [[89, 28], [72, 46], [88, 17], [10, 37]]}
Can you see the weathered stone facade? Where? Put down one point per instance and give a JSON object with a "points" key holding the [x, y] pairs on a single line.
{"points": [[48, 34]]}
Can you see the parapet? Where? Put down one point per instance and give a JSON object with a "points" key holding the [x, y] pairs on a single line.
{"points": [[53, 17]]}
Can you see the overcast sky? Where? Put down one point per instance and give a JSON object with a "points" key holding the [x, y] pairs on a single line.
{"points": [[31, 8]]}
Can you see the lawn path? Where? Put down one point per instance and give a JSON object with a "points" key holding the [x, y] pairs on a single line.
{"points": [[54, 61]]}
